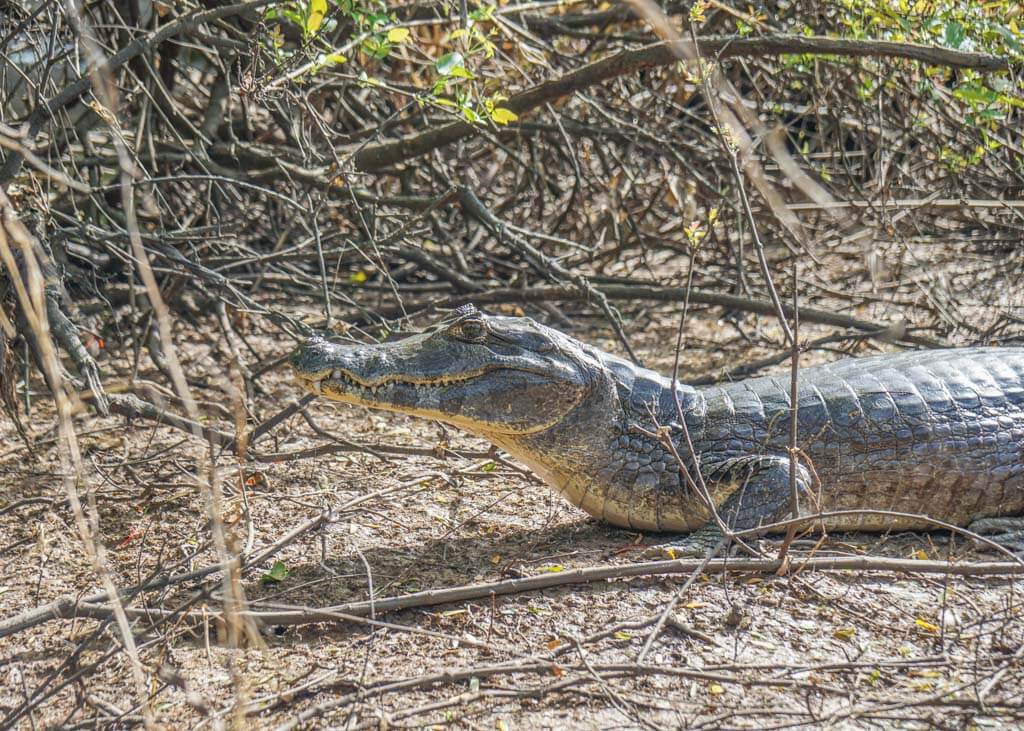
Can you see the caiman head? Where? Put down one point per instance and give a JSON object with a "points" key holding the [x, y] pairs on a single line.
{"points": [[493, 376]]}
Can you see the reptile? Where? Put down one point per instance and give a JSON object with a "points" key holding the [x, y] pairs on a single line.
{"points": [[880, 440]]}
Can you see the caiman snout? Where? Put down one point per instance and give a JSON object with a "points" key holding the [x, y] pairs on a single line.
{"points": [[312, 357], [483, 373]]}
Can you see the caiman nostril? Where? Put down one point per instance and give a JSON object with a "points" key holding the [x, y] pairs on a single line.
{"points": [[303, 355]]}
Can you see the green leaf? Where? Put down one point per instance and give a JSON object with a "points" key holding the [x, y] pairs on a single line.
{"points": [[378, 19], [1010, 38], [462, 73], [484, 12], [955, 34], [447, 62], [975, 94], [398, 35], [501, 115], [1011, 101], [278, 572], [377, 47]]}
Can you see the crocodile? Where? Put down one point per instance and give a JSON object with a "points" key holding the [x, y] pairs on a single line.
{"points": [[884, 442]]}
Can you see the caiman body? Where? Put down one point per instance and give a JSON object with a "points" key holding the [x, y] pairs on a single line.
{"points": [[937, 433]]}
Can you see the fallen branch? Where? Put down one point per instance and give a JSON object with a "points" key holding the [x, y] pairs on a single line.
{"points": [[65, 608], [895, 332], [363, 448], [133, 407], [540, 667], [433, 597]]}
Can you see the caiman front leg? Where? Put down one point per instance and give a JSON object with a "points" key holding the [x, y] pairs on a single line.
{"points": [[756, 492]]}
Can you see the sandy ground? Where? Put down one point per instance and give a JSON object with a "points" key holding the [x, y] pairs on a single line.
{"points": [[836, 650]]}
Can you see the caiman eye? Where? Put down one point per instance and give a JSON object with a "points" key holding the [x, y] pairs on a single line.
{"points": [[473, 331]]}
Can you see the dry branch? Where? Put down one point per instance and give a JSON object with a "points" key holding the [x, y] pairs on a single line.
{"points": [[896, 332], [94, 608], [132, 407], [65, 607], [46, 112], [379, 156]]}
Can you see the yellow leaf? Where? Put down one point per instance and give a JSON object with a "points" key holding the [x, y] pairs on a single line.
{"points": [[358, 277], [715, 689], [315, 16], [696, 605], [552, 569], [920, 555], [845, 633], [926, 625], [398, 35], [620, 635], [501, 115]]}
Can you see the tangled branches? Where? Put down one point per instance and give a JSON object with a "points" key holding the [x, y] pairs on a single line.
{"points": [[187, 188]]}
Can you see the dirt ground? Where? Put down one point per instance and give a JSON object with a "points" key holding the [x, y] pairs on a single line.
{"points": [[839, 649]]}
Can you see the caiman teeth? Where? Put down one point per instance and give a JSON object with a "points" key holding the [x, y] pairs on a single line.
{"points": [[351, 382]]}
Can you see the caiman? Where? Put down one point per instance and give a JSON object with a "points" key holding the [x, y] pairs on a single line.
{"points": [[882, 440]]}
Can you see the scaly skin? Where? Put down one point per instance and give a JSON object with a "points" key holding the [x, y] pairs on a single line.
{"points": [[939, 433]]}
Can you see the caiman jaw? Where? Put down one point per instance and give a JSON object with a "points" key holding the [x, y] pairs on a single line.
{"points": [[342, 385]]}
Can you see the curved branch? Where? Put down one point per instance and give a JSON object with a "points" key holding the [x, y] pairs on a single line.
{"points": [[895, 332], [375, 157], [67, 608]]}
